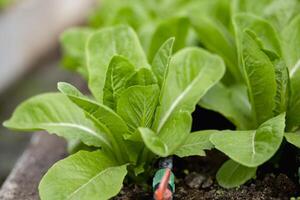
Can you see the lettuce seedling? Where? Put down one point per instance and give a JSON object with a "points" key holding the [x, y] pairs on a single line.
{"points": [[265, 108], [191, 22], [139, 111], [259, 93]]}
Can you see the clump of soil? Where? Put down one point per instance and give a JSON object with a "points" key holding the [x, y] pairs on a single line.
{"points": [[195, 181], [271, 187]]}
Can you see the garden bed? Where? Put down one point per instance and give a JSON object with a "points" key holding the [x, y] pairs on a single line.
{"points": [[26, 61], [200, 184], [43, 151], [195, 176], [144, 89]]}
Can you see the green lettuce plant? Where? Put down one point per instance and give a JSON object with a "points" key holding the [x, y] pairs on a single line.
{"points": [[207, 23], [265, 106], [143, 96], [140, 110], [191, 22], [258, 41]]}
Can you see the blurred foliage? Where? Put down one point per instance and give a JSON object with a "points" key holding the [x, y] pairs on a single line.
{"points": [[155, 21], [5, 3]]}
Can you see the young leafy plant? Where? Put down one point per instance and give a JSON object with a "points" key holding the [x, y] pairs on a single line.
{"points": [[259, 94], [139, 111], [261, 52], [264, 106], [191, 22]]}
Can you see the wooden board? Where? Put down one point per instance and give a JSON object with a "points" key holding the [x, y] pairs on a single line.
{"points": [[43, 151]]}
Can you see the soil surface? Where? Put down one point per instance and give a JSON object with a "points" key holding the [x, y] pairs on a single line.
{"points": [[196, 181], [195, 176]]}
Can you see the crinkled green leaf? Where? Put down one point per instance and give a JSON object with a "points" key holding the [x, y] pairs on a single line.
{"points": [[232, 174], [83, 176], [252, 148], [215, 37], [192, 72], [143, 77], [118, 72], [153, 142], [282, 89], [293, 117], [175, 27], [101, 114], [55, 113], [171, 137], [137, 106], [195, 144], [259, 75], [266, 35], [161, 60], [103, 45], [232, 102], [291, 37], [291, 44], [135, 136]]}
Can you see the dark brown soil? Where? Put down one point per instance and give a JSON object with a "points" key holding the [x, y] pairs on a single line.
{"points": [[195, 181], [195, 176]]}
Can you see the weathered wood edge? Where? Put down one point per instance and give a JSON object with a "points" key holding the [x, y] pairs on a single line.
{"points": [[43, 151], [30, 29]]}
